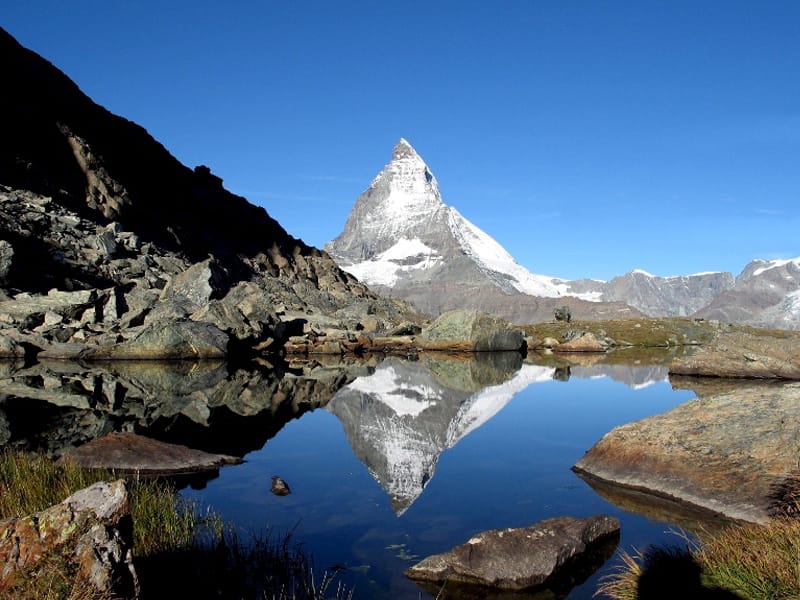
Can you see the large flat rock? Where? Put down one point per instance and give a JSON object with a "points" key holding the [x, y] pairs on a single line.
{"points": [[517, 558], [128, 452], [734, 453]]}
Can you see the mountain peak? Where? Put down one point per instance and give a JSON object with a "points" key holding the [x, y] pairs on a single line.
{"points": [[402, 149]]}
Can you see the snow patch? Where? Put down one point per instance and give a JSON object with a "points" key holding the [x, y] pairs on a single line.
{"points": [[772, 264], [386, 267]]}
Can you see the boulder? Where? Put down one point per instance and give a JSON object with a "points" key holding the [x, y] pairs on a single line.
{"points": [[471, 331], [9, 348], [518, 558], [198, 284], [130, 453], [91, 529], [586, 342], [733, 453], [167, 340]]}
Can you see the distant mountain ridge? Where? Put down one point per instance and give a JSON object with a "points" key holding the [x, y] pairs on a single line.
{"points": [[401, 239]]}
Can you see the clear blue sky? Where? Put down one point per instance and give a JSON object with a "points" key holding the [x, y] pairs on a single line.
{"points": [[588, 137]]}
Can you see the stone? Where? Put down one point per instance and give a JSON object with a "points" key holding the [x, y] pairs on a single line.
{"points": [[9, 348], [167, 340], [518, 558], [471, 331], [198, 284], [563, 313], [6, 260], [732, 453], [126, 452], [91, 528], [586, 342]]}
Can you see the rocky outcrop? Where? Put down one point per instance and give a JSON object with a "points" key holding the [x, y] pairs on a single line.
{"points": [[734, 453], [104, 234], [741, 353], [518, 558], [91, 529]]}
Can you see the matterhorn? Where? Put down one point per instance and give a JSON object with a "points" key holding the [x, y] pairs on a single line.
{"points": [[402, 240]]}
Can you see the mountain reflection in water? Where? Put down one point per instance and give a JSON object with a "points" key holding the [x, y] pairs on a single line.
{"points": [[456, 445]]}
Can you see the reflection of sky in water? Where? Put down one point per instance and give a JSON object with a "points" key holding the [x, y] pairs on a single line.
{"points": [[512, 470]]}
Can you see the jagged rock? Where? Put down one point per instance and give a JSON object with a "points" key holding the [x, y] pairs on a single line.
{"points": [[131, 453], [738, 353], [729, 453], [167, 340], [198, 284], [517, 558], [6, 258], [9, 348], [91, 528], [472, 331]]}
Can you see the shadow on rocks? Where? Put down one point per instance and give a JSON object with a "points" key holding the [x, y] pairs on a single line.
{"points": [[669, 573]]}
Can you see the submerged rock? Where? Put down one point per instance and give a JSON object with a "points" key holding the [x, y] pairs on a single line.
{"points": [[517, 558]]}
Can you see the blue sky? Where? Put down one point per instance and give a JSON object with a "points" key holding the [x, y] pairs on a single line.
{"points": [[588, 137]]}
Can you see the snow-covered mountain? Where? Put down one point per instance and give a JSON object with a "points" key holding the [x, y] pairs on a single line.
{"points": [[403, 240], [402, 417], [766, 294]]}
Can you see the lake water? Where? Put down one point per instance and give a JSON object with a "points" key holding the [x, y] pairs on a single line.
{"points": [[414, 457]]}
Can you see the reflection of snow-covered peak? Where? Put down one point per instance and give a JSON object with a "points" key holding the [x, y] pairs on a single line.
{"points": [[484, 405], [634, 377], [404, 397], [399, 420]]}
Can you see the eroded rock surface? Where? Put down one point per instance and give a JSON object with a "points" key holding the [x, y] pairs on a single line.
{"points": [[734, 453], [91, 528], [517, 558]]}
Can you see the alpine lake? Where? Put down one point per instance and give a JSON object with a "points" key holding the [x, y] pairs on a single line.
{"points": [[388, 460]]}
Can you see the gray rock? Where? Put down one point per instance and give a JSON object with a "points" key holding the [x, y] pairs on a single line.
{"points": [[6, 259], [167, 340], [198, 284], [472, 331], [517, 558], [91, 528]]}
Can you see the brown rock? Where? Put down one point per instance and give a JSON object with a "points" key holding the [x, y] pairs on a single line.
{"points": [[129, 453], [586, 342], [732, 453], [91, 528]]}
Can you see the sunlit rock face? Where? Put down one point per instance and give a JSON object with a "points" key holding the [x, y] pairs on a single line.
{"points": [[401, 238], [401, 418]]}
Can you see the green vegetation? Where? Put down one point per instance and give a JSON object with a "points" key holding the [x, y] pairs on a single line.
{"points": [[179, 551], [744, 561], [650, 332]]}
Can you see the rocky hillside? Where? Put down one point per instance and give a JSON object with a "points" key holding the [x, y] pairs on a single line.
{"points": [[104, 234], [404, 241]]}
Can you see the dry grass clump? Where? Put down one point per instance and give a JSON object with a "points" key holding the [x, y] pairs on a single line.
{"points": [[743, 561], [178, 551]]}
